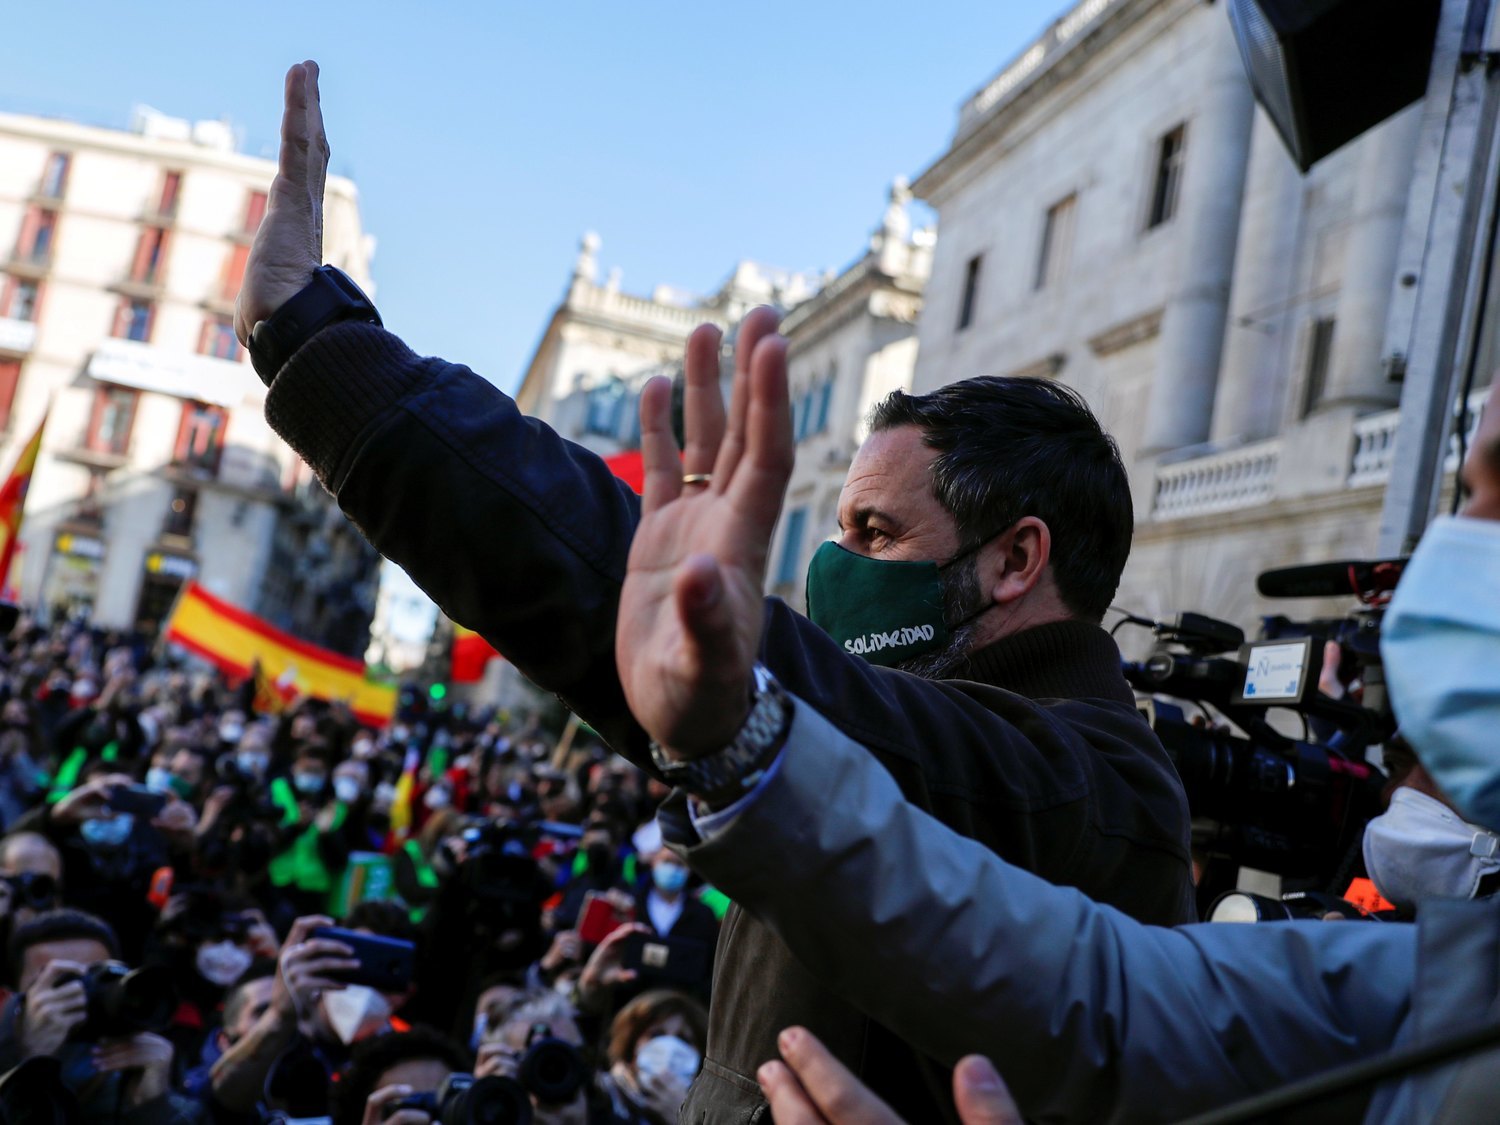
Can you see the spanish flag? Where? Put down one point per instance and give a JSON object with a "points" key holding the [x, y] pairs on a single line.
{"points": [[471, 653], [13, 500], [235, 642]]}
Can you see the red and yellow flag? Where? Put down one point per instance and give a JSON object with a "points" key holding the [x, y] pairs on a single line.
{"points": [[236, 641], [13, 500], [471, 653]]}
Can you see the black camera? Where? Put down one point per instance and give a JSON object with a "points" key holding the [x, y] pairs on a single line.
{"points": [[35, 889], [1295, 807], [123, 1001], [1244, 906], [463, 1099], [552, 1069]]}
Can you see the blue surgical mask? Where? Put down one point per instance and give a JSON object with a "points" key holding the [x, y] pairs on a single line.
{"points": [[159, 780], [1440, 643], [669, 877], [107, 831]]}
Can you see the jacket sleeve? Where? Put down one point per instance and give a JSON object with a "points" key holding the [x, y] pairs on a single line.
{"points": [[524, 537], [1089, 1015]]}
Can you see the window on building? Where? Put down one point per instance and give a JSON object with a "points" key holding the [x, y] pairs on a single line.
{"points": [[38, 233], [149, 253], [234, 271], [219, 339], [133, 321], [10, 378], [18, 298], [791, 546], [55, 175], [112, 419], [255, 211], [200, 437], [825, 400], [180, 513], [1057, 242], [606, 410], [171, 190], [971, 288], [1319, 352], [1168, 179]]}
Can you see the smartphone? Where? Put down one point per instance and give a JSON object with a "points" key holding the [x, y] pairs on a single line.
{"points": [[678, 961], [385, 964], [600, 917], [137, 800]]}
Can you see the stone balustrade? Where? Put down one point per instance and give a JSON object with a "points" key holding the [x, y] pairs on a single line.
{"points": [[1220, 482]]}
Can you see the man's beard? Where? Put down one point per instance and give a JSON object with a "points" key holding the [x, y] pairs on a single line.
{"points": [[962, 601]]}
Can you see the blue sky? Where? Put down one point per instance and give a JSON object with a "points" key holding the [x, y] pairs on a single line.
{"points": [[486, 137]]}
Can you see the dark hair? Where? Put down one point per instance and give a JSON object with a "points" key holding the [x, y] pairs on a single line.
{"points": [[58, 925], [373, 1057], [1009, 448]]}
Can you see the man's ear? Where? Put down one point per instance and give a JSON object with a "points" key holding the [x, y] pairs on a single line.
{"points": [[1017, 559]]}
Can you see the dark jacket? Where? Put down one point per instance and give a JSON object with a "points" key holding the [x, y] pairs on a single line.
{"points": [[1039, 753]]}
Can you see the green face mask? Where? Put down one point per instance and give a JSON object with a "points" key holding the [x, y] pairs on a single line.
{"points": [[882, 610]]}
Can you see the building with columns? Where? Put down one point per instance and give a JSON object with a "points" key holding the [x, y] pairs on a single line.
{"points": [[1115, 212], [122, 256], [848, 346], [602, 345]]}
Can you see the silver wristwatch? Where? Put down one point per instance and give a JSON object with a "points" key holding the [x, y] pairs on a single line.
{"points": [[723, 777]]}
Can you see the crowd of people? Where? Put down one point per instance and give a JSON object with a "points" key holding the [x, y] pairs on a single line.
{"points": [[176, 872]]}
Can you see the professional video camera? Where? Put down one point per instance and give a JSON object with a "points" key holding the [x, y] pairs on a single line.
{"points": [[122, 1001], [1295, 807]]}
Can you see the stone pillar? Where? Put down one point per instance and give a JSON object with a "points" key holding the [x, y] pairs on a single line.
{"points": [[1252, 384], [1192, 331], [1355, 375]]}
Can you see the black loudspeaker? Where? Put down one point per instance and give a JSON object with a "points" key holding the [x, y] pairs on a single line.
{"points": [[1327, 70]]}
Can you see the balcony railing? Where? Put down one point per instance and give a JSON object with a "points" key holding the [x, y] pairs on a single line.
{"points": [[1245, 477], [1221, 482], [17, 336]]}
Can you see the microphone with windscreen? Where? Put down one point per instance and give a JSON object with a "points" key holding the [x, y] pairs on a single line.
{"points": [[1362, 578]]}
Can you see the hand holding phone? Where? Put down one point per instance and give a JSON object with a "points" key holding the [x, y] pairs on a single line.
{"points": [[385, 964]]}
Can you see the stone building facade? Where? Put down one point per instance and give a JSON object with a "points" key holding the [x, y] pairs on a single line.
{"points": [[1116, 213], [121, 254]]}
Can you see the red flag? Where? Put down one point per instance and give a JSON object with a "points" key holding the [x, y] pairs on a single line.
{"points": [[471, 653], [13, 499], [629, 467]]}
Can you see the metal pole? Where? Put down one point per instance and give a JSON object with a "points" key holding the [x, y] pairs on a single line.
{"points": [[1453, 189]]}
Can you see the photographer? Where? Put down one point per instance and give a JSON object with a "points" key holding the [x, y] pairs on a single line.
{"points": [[116, 1069], [391, 1069]]}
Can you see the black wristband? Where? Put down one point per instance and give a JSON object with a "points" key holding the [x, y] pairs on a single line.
{"points": [[328, 298]]}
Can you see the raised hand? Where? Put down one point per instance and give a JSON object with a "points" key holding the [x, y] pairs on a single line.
{"points": [[55, 1005], [689, 622], [305, 965], [289, 244]]}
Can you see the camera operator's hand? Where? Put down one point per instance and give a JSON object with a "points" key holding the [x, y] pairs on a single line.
{"points": [[302, 974], [605, 969], [497, 1060], [87, 802], [289, 245], [54, 1006], [663, 1094], [375, 1108], [177, 820], [150, 1056], [261, 937], [566, 949], [214, 807]]}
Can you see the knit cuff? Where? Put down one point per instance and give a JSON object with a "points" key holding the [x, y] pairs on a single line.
{"points": [[335, 386]]}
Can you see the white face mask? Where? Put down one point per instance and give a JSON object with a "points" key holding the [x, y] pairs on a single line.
{"points": [[385, 797], [346, 789], [1419, 848], [362, 749], [1440, 643], [437, 798], [355, 1012], [667, 1054], [222, 962]]}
